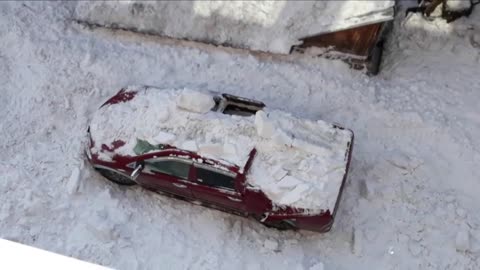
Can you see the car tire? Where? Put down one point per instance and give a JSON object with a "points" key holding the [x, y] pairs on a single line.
{"points": [[117, 178], [282, 225]]}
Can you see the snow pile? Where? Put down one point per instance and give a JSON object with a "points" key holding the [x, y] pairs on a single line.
{"points": [[273, 26], [299, 162], [166, 116]]}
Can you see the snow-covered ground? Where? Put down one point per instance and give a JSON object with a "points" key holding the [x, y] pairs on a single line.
{"points": [[412, 197]]}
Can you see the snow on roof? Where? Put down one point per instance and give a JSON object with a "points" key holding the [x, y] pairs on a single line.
{"points": [[299, 162], [273, 26]]}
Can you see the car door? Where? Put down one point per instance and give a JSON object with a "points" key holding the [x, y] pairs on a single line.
{"points": [[217, 187], [167, 174]]}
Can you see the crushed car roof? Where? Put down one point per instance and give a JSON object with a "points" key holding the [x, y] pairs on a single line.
{"points": [[299, 162]]}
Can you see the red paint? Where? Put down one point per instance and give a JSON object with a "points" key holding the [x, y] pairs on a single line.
{"points": [[122, 96], [245, 201]]}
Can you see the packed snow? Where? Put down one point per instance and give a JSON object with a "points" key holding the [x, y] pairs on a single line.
{"points": [[411, 200], [271, 26], [299, 162]]}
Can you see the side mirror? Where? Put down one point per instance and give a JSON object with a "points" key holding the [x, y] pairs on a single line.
{"points": [[138, 169]]}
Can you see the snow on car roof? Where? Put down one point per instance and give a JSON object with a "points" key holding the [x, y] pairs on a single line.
{"points": [[299, 162]]}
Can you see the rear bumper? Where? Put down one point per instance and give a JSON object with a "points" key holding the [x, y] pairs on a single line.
{"points": [[317, 223]]}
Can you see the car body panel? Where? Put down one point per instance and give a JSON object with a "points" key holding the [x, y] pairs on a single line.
{"points": [[229, 199], [159, 181]]}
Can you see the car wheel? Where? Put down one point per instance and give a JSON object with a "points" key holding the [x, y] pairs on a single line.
{"points": [[282, 225], [116, 177]]}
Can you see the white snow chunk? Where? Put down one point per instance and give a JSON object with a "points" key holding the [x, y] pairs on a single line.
{"points": [[281, 138], [462, 240], [212, 150], [308, 147], [73, 181], [289, 182], [195, 101], [229, 149], [190, 145], [295, 195], [105, 156], [163, 138], [264, 127], [278, 172]]}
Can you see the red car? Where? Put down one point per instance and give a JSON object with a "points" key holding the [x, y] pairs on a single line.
{"points": [[224, 152]]}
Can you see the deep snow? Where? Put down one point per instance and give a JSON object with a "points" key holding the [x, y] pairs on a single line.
{"points": [[411, 201]]}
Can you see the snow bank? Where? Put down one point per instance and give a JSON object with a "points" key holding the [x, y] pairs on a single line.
{"points": [[273, 26], [299, 162]]}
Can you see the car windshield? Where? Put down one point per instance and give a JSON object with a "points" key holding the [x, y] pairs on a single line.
{"points": [[142, 147]]}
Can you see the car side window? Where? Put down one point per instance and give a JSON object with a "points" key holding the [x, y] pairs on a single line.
{"points": [[214, 178], [176, 168]]}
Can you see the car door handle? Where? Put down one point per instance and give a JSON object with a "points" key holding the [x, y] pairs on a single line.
{"points": [[233, 199], [179, 185]]}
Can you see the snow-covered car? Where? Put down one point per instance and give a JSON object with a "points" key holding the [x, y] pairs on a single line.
{"points": [[225, 152]]}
